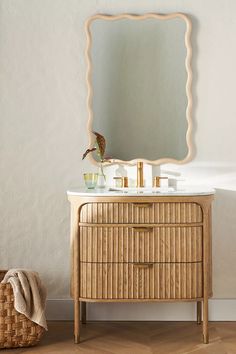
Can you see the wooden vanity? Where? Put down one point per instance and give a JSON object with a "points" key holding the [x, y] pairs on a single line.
{"points": [[140, 248]]}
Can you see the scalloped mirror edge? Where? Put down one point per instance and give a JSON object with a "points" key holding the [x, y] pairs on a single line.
{"points": [[189, 143]]}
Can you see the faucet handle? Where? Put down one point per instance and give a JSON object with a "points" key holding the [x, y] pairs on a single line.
{"points": [[159, 181], [123, 181]]}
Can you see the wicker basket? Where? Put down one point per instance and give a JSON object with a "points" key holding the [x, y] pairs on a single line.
{"points": [[15, 329]]}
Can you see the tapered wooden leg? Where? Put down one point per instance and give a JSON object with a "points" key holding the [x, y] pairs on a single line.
{"points": [[206, 271], [205, 322], [76, 321], [83, 305], [199, 312]]}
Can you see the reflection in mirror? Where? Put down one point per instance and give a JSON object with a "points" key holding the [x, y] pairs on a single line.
{"points": [[138, 76]]}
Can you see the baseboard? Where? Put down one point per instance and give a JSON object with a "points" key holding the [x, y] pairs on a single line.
{"points": [[219, 310]]}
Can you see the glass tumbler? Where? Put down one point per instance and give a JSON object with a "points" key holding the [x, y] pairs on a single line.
{"points": [[90, 180]]}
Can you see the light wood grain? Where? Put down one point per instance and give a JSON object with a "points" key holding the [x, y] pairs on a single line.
{"points": [[75, 281], [141, 249], [135, 337], [123, 213], [206, 269], [131, 244], [142, 280]]}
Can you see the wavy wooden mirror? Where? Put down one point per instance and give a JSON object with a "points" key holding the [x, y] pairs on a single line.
{"points": [[139, 86]]}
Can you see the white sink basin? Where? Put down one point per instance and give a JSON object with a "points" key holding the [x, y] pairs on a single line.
{"points": [[145, 190]]}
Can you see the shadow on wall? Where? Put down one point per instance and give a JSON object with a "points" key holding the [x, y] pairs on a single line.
{"points": [[219, 175], [224, 243], [223, 178], [194, 66]]}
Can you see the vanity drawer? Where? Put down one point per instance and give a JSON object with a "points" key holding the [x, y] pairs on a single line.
{"points": [[142, 213], [140, 281], [140, 244]]}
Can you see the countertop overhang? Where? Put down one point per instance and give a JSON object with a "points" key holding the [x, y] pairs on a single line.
{"points": [[105, 192]]}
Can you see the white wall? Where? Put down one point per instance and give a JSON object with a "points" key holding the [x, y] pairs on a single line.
{"points": [[43, 117]]}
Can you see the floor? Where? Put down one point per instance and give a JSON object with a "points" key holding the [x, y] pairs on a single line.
{"points": [[135, 338]]}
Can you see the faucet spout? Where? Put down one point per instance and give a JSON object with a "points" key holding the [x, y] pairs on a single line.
{"points": [[140, 179]]}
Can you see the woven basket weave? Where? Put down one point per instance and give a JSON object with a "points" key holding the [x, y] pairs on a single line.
{"points": [[15, 329]]}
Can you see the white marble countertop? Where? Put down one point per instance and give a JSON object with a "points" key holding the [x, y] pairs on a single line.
{"points": [[106, 192]]}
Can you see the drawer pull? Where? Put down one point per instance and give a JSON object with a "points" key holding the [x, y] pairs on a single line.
{"points": [[143, 265], [142, 229], [143, 205]]}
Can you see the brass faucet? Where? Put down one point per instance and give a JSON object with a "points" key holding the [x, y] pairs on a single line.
{"points": [[140, 180]]}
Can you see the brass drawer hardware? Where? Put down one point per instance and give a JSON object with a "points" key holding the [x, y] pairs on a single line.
{"points": [[142, 229], [143, 205], [143, 265]]}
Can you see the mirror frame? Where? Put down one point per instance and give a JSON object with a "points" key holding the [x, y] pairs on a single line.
{"points": [[188, 46]]}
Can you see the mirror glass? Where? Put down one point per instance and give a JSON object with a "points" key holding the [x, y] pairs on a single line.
{"points": [[138, 79]]}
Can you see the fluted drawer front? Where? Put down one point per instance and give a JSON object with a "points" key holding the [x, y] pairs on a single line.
{"points": [[145, 244], [135, 281], [141, 213]]}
